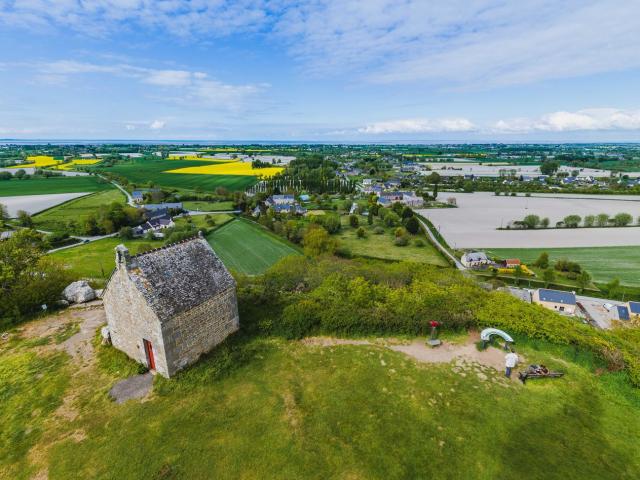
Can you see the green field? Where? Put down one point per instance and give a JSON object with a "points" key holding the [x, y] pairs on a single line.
{"points": [[382, 246], [142, 171], [77, 210], [95, 260], [248, 248], [266, 408], [40, 186], [603, 263], [207, 206]]}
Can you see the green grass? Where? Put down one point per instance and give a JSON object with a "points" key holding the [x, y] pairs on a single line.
{"points": [[603, 263], [77, 210], [95, 260], [207, 206], [141, 171], [248, 248], [382, 246], [41, 186], [201, 222], [267, 408]]}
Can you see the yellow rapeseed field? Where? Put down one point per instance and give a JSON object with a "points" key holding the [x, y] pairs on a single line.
{"points": [[77, 161], [230, 168], [195, 157], [38, 161]]}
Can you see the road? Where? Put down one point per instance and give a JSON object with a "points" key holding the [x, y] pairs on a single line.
{"points": [[441, 247]]}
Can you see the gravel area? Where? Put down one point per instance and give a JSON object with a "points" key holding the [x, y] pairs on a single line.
{"points": [[474, 223], [36, 203]]}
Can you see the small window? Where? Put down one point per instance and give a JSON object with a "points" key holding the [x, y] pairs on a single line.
{"points": [[562, 309]]}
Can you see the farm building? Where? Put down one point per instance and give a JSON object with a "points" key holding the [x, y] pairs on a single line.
{"points": [[564, 302], [474, 259], [511, 263], [167, 307]]}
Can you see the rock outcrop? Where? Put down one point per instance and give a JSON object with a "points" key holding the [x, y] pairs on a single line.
{"points": [[79, 292]]}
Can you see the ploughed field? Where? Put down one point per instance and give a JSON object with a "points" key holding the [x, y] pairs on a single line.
{"points": [[475, 222], [248, 248], [603, 263]]}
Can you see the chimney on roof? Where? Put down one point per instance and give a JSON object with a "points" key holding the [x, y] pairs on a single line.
{"points": [[123, 257]]}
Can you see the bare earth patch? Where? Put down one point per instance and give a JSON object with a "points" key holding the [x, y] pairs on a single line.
{"points": [[460, 353]]}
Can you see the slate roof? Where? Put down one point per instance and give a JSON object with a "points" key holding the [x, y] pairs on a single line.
{"points": [[623, 312], [634, 307], [475, 257], [557, 296], [179, 277]]}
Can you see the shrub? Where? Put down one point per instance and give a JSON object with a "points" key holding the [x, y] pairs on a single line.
{"points": [[317, 241], [412, 225], [418, 242], [572, 221], [353, 221], [361, 232], [401, 241], [542, 261], [378, 230], [622, 219]]}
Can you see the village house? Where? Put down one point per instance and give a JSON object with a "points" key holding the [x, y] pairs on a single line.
{"points": [[274, 200], [558, 300], [511, 263], [282, 204], [167, 307], [475, 259], [156, 224], [634, 309]]}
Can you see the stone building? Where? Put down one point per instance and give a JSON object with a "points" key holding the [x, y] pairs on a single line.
{"points": [[167, 307]]}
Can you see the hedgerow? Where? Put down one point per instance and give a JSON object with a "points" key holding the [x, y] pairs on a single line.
{"points": [[301, 297]]}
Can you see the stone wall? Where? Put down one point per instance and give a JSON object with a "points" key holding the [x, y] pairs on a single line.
{"points": [[197, 331], [131, 320]]}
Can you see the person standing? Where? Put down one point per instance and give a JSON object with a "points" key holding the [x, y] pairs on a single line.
{"points": [[510, 361]]}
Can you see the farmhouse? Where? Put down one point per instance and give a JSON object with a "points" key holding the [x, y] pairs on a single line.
{"points": [[563, 302], [474, 259], [511, 263], [167, 307]]}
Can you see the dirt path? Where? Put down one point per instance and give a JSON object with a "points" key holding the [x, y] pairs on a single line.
{"points": [[420, 351]]}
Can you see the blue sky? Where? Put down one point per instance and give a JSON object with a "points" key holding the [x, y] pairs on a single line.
{"points": [[327, 70]]}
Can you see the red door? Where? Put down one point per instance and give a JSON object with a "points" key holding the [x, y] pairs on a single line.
{"points": [[148, 348]]}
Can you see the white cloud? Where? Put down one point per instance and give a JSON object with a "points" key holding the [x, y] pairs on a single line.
{"points": [[181, 86], [157, 125], [130, 127], [419, 125], [468, 43], [582, 120]]}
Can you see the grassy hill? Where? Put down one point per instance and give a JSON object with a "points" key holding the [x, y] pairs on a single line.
{"points": [[272, 408], [272, 403]]}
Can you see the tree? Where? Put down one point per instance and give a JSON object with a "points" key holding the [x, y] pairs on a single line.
{"points": [[406, 213], [391, 219], [548, 276], [572, 221], [549, 167], [602, 220], [589, 220], [126, 233], [622, 219], [434, 179], [468, 186], [412, 225], [28, 279], [542, 261], [5, 176], [518, 273], [370, 218], [583, 280], [613, 288], [4, 214], [317, 241], [20, 174], [24, 219], [531, 221], [353, 221]]}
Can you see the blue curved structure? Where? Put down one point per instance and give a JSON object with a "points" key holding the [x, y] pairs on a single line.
{"points": [[487, 333]]}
